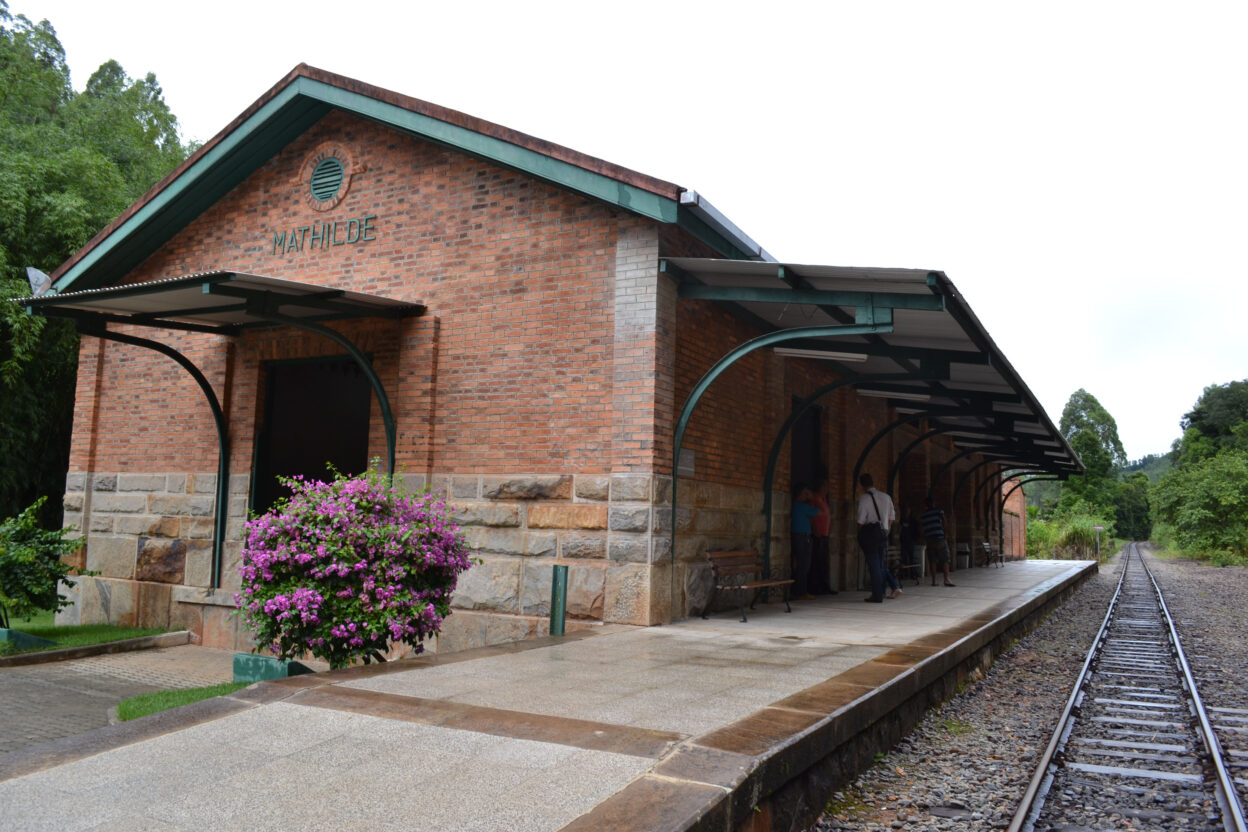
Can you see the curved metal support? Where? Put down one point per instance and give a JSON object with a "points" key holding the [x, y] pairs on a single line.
{"points": [[387, 416], [773, 457], [735, 354], [990, 503], [218, 416], [949, 463], [1021, 483], [1014, 471], [967, 474], [1006, 498], [896, 469], [875, 440]]}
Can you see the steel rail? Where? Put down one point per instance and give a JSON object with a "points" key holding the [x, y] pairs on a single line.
{"points": [[1032, 801], [1224, 788]]}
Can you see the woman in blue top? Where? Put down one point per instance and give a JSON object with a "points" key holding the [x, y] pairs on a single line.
{"points": [[803, 510]]}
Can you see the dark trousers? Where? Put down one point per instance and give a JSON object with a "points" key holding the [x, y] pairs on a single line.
{"points": [[875, 567], [802, 544], [820, 580]]}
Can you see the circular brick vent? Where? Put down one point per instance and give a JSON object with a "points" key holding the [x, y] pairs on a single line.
{"points": [[327, 179]]}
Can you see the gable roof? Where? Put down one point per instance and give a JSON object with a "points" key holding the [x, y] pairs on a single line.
{"points": [[303, 98]]}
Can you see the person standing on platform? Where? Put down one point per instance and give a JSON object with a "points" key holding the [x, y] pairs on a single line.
{"points": [[875, 517], [933, 521], [803, 512], [821, 527]]}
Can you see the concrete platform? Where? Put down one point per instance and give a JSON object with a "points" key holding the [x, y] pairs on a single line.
{"points": [[699, 725]]}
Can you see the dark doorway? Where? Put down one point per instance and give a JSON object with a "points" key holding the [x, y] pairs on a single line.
{"points": [[806, 449], [315, 412]]}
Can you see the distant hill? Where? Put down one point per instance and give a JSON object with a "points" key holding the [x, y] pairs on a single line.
{"points": [[1154, 465]]}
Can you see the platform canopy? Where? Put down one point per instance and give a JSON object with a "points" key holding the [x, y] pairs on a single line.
{"points": [[941, 365], [225, 303], [218, 301]]}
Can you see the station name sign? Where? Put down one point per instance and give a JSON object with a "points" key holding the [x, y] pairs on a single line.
{"points": [[325, 235]]}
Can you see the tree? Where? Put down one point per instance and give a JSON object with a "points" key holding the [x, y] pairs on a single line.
{"points": [[31, 566], [71, 163], [1133, 513], [1093, 435], [1206, 503], [1210, 426]]}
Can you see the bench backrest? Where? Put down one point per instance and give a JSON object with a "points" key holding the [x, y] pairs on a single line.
{"points": [[732, 563]]}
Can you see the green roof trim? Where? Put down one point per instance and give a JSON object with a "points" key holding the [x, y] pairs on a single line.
{"points": [[492, 149], [291, 112]]}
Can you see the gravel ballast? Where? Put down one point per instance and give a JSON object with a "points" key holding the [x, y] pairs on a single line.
{"points": [[967, 764]]}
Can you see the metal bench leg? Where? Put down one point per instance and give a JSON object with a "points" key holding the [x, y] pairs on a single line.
{"points": [[741, 604], [711, 603], [787, 608]]}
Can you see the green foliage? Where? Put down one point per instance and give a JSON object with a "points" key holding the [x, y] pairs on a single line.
{"points": [[1093, 435], [1206, 504], [163, 700], [1154, 466], [1133, 515], [1083, 414], [1218, 411], [1069, 532], [71, 163], [31, 568]]}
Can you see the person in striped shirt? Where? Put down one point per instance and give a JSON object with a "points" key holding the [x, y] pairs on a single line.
{"points": [[933, 520]]}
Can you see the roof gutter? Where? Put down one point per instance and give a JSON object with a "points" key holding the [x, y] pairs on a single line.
{"points": [[939, 282], [701, 208]]}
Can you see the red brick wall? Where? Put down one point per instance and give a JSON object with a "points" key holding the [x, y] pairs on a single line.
{"points": [[511, 371]]}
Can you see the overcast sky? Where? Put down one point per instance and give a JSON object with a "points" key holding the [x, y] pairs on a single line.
{"points": [[1078, 169]]}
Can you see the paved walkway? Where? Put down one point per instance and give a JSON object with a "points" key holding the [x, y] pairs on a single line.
{"points": [[46, 702], [647, 727]]}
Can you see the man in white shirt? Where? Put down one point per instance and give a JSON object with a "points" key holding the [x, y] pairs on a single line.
{"points": [[875, 516]]}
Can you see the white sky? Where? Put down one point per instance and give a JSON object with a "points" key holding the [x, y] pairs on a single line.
{"points": [[1078, 169]]}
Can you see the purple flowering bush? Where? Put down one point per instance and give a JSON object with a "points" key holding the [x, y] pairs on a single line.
{"points": [[344, 569]]}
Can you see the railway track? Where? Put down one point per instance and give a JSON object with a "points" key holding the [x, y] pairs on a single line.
{"points": [[1135, 747]]}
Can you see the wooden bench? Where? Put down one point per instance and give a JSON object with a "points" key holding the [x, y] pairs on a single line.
{"points": [[741, 571], [990, 555]]}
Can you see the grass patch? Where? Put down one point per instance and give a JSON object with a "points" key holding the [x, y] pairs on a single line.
{"points": [[163, 700], [956, 727], [43, 626]]}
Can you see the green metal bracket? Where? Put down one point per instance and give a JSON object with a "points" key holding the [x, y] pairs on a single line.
{"points": [[87, 327], [875, 440], [773, 456], [766, 340], [263, 307]]}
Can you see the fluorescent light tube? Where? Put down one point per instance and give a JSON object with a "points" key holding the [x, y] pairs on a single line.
{"points": [[886, 394], [853, 357]]}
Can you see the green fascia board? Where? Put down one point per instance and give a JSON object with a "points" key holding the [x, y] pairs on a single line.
{"points": [[219, 170], [288, 115], [756, 294], [531, 162], [699, 230]]}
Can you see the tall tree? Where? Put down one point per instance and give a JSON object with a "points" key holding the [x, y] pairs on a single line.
{"points": [[71, 163], [1210, 426], [1093, 434]]}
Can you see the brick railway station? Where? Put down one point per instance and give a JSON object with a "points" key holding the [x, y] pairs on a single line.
{"points": [[601, 372], [346, 273]]}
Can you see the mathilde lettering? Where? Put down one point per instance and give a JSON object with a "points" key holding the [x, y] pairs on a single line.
{"points": [[321, 236]]}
